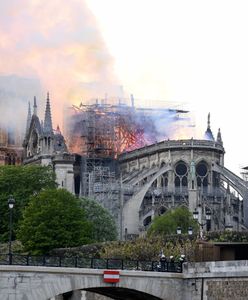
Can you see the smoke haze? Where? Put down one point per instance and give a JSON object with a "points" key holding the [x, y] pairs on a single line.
{"points": [[57, 45]]}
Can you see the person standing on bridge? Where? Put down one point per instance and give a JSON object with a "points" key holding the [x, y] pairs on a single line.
{"points": [[163, 262]]}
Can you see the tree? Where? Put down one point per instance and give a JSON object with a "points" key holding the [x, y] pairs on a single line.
{"points": [[103, 224], [168, 222], [21, 182], [53, 219]]}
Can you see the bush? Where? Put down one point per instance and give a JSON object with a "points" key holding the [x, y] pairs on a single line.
{"points": [[149, 249], [168, 222]]}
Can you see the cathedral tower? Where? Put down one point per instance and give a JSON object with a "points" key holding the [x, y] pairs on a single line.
{"points": [[42, 145]]}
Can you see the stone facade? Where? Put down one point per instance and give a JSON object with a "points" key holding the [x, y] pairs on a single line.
{"points": [[227, 289], [10, 146], [187, 173], [141, 184], [45, 146]]}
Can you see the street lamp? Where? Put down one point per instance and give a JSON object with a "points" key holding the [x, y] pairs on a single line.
{"points": [[208, 215], [190, 230], [11, 203], [179, 230], [229, 227], [196, 217]]}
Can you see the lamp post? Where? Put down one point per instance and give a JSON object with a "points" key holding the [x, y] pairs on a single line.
{"points": [[179, 230], [197, 216], [11, 203], [190, 231], [229, 227]]}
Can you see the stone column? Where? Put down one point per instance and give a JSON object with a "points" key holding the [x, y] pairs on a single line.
{"points": [[228, 208], [192, 187]]}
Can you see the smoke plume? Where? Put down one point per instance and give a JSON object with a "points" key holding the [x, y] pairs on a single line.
{"points": [[57, 44]]}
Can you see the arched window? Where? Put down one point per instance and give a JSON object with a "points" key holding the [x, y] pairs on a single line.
{"points": [[164, 180], [177, 181], [77, 181], [184, 181], [162, 164], [147, 221], [34, 142], [181, 175], [162, 210], [202, 174]]}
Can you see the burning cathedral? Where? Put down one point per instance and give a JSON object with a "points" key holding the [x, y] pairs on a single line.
{"points": [[116, 155]]}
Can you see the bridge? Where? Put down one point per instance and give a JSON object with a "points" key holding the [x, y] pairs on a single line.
{"points": [[210, 280]]}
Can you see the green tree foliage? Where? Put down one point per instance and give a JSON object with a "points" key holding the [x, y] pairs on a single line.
{"points": [[227, 236], [103, 224], [53, 219], [21, 182], [168, 223]]}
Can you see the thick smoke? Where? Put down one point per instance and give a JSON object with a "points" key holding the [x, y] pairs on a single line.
{"points": [[57, 45], [14, 94]]}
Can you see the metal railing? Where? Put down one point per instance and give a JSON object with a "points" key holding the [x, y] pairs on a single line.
{"points": [[92, 263]]}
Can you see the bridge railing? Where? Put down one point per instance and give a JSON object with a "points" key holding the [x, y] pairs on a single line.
{"points": [[92, 263]]}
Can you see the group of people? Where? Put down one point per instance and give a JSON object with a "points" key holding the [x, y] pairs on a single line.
{"points": [[169, 264]]}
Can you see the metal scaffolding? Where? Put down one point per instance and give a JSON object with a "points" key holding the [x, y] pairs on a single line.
{"points": [[99, 132], [106, 130]]}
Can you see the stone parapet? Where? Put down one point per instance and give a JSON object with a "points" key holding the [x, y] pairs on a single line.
{"points": [[222, 280], [171, 145]]}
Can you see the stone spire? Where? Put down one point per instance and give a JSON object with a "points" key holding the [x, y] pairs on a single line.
{"points": [[58, 130], [28, 118], [47, 126], [208, 134], [219, 138], [35, 107]]}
